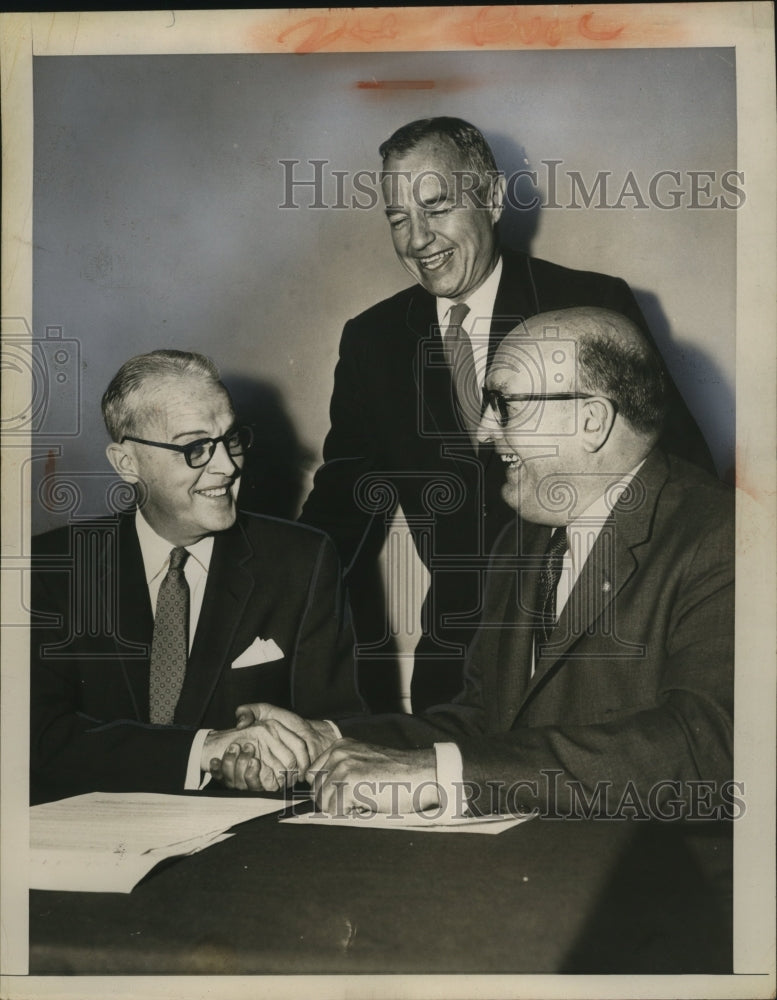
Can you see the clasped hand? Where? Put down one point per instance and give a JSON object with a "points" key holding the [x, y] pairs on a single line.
{"points": [[269, 749]]}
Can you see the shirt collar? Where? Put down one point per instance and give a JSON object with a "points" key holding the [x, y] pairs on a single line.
{"points": [[480, 302], [156, 550]]}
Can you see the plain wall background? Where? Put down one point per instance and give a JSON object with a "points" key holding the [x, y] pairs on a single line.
{"points": [[157, 223]]}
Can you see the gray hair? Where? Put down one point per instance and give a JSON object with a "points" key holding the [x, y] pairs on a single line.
{"points": [[475, 151], [121, 402], [617, 360]]}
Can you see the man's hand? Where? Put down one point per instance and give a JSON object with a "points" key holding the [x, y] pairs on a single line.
{"points": [[270, 748], [318, 736], [279, 756], [353, 776]]}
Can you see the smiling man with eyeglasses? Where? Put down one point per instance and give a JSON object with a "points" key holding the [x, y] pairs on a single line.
{"points": [[151, 627], [601, 680]]}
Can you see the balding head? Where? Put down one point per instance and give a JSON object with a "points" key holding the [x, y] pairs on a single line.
{"points": [[613, 357], [593, 398]]}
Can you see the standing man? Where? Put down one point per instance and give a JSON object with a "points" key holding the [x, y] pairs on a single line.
{"points": [[406, 399], [150, 628]]}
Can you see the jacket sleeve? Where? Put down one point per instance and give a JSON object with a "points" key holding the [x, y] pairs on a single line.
{"points": [[349, 453], [676, 753], [74, 751], [647, 759], [323, 666], [464, 716]]}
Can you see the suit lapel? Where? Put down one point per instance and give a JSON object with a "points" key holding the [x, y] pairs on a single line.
{"points": [[229, 588], [515, 299], [124, 578], [610, 565], [430, 368]]}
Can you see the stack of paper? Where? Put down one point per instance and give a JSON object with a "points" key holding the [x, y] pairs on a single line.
{"points": [[107, 842]]}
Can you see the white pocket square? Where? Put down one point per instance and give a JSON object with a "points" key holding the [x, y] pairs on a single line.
{"points": [[260, 651]]}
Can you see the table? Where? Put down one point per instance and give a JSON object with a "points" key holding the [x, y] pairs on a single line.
{"points": [[547, 896]]}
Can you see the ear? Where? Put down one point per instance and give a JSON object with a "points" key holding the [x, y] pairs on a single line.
{"points": [[598, 419], [498, 188], [123, 461]]}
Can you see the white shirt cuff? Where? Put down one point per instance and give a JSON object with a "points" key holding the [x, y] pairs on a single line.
{"points": [[335, 728], [450, 781], [195, 778]]}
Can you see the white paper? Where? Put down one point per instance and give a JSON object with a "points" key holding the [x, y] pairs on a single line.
{"points": [[107, 842], [429, 822]]}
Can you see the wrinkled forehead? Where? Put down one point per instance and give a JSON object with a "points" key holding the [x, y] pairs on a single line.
{"points": [[179, 403], [531, 364], [429, 173]]}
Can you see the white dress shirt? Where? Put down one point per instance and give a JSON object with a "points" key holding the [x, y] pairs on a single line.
{"points": [[477, 322], [155, 551]]}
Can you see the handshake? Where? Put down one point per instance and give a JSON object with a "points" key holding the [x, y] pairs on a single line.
{"points": [[271, 748]]}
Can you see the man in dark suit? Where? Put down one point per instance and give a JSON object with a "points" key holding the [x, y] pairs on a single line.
{"points": [[149, 628], [400, 433], [602, 675]]}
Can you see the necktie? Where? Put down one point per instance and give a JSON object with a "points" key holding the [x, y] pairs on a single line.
{"points": [[170, 645], [550, 575], [463, 371]]}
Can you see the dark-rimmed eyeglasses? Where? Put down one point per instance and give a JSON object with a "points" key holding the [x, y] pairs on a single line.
{"points": [[197, 453], [498, 401]]}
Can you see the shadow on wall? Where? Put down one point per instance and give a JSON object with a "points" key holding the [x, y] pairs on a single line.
{"points": [[521, 217], [692, 369], [706, 389], [273, 473]]}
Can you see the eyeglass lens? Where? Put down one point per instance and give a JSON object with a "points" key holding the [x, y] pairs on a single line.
{"points": [[236, 442]]}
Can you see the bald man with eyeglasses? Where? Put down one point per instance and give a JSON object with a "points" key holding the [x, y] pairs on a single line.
{"points": [[152, 626], [602, 675]]}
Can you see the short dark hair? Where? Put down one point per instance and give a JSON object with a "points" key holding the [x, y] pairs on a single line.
{"points": [[630, 373], [475, 151], [120, 400]]}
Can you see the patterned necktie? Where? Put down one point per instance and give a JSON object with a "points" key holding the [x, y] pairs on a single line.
{"points": [[170, 645], [463, 371], [548, 582]]}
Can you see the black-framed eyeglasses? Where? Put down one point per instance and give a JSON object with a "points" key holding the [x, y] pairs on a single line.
{"points": [[498, 401], [197, 453]]}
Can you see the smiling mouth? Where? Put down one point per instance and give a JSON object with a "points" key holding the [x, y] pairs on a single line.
{"points": [[435, 261], [511, 460], [215, 493]]}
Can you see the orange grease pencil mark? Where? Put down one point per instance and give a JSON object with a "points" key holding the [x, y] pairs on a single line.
{"points": [[449, 28], [585, 29], [494, 25], [358, 28]]}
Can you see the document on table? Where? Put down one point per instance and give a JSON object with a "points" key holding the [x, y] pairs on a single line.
{"points": [[108, 841], [426, 822]]}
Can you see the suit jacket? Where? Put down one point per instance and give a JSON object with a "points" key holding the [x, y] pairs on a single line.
{"points": [[92, 628], [637, 681], [395, 438]]}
